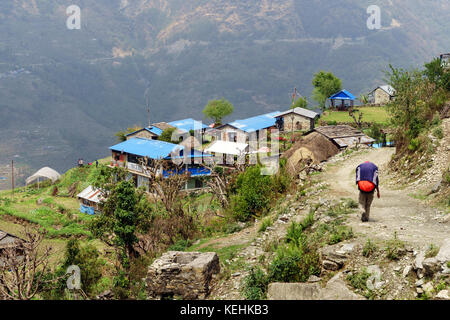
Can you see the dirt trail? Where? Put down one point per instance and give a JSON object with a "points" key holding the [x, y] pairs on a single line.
{"points": [[396, 211]]}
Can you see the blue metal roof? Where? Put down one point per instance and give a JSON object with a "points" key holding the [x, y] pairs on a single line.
{"points": [[343, 95], [256, 123], [188, 124], [154, 149]]}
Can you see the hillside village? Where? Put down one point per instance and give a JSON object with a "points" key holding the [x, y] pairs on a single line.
{"points": [[255, 208]]}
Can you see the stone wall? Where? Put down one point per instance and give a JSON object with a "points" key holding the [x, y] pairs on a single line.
{"points": [[182, 274], [299, 123]]}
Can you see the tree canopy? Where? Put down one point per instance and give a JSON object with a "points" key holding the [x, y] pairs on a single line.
{"points": [[325, 84], [218, 109], [300, 103]]}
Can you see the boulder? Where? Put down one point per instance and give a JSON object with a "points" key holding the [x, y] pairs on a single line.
{"points": [[337, 254], [330, 265], [428, 287], [443, 255], [336, 289], [443, 295], [293, 291], [430, 266], [184, 274], [407, 271], [419, 260]]}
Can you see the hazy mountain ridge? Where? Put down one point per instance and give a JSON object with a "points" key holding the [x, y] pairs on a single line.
{"points": [[81, 86]]}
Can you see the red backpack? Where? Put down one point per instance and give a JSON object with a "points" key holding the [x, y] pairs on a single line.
{"points": [[366, 186]]}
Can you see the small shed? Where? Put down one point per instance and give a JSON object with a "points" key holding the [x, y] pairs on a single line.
{"points": [[344, 136], [296, 119], [342, 101], [152, 132], [90, 200], [9, 241], [382, 95], [445, 60]]}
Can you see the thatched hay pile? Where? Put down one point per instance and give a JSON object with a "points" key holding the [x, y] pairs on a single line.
{"points": [[313, 148]]}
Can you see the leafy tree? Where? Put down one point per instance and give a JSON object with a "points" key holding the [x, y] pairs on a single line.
{"points": [[437, 74], [300, 103], [253, 193], [166, 135], [87, 259], [218, 109], [325, 84], [122, 218], [408, 105]]}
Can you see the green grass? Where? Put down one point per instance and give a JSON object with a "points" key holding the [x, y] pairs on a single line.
{"points": [[55, 223], [370, 114]]}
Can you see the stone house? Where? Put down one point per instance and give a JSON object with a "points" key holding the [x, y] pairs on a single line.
{"points": [[382, 95], [296, 119]]}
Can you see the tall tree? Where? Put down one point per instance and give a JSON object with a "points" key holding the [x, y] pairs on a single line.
{"points": [[300, 103], [436, 73], [325, 84], [218, 109]]}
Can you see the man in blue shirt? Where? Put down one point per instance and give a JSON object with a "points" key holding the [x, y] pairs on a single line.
{"points": [[367, 181]]}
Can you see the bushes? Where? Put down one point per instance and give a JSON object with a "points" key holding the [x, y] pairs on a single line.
{"points": [[369, 248], [255, 285], [294, 264], [253, 194], [395, 248], [438, 133]]}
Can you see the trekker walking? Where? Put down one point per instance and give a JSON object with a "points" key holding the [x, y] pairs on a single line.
{"points": [[367, 181]]}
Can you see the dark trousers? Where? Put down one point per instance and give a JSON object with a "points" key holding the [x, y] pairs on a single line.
{"points": [[365, 201]]}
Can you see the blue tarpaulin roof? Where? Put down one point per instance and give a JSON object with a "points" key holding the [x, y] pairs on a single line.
{"points": [[194, 171], [256, 123], [188, 124], [343, 95], [154, 149]]}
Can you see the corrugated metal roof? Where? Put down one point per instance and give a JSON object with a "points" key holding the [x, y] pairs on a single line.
{"points": [[91, 194], [154, 149], [227, 147], [300, 111], [256, 123], [351, 141], [188, 124], [388, 89], [343, 95]]}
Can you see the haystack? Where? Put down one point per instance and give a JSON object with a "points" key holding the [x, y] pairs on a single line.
{"points": [[313, 148]]}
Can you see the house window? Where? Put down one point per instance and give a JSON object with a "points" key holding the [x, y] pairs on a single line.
{"points": [[232, 136]]}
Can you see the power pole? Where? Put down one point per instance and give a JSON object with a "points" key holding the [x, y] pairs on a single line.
{"points": [[12, 177], [147, 100]]}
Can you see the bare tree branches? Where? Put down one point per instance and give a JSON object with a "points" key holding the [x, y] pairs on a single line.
{"points": [[166, 188], [22, 267]]}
